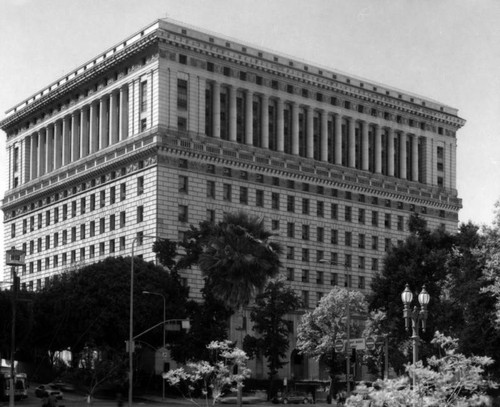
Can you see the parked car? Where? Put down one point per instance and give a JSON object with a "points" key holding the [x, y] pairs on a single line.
{"points": [[296, 397], [63, 386], [246, 398], [50, 389]]}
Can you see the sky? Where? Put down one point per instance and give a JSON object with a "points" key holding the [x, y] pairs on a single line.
{"points": [[446, 50]]}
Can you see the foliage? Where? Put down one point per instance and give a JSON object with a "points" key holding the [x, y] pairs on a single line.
{"points": [[212, 377], [99, 295], [491, 251], [268, 313], [238, 258], [449, 380], [374, 328], [320, 327]]}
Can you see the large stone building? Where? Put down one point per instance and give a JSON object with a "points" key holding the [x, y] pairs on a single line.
{"points": [[175, 125]]}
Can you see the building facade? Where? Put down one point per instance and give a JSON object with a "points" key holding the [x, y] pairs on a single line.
{"points": [[175, 125]]}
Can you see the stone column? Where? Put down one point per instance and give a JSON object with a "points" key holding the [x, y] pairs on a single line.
{"points": [[216, 109], [324, 136], [365, 162], [42, 151], [414, 158], [265, 121], [378, 150], [103, 123], [232, 114], [49, 153], [58, 145], [34, 155], [390, 152], [84, 132], [249, 118], [338, 139], [281, 125], [124, 106], [352, 142], [402, 156], [310, 132], [66, 140], [76, 137], [26, 163], [94, 129], [113, 118], [295, 129]]}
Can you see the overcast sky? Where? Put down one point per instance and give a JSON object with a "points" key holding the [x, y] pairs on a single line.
{"points": [[447, 50]]}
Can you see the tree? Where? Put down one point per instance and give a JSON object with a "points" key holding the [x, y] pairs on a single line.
{"points": [[99, 297], [451, 379], [239, 258], [321, 327], [267, 314], [491, 251], [211, 377]]}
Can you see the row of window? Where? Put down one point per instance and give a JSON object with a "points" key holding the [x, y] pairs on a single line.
{"points": [[70, 210], [322, 278], [334, 258]]}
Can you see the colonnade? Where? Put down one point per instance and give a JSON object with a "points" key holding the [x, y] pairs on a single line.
{"points": [[92, 127], [313, 131]]}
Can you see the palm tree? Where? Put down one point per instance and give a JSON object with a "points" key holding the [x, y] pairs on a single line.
{"points": [[237, 261], [239, 258]]}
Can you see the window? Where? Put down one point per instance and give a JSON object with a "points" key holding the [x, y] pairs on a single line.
{"points": [[102, 199], [361, 262], [122, 219], [92, 202], [47, 242], [275, 224], [183, 184], [305, 254], [122, 243], [40, 218], [92, 228], [387, 244], [56, 215], [334, 279], [305, 232], [13, 230], [334, 238], [82, 207], [275, 200], [290, 229], [140, 185], [143, 101], [211, 215], [348, 261], [73, 234], [348, 213], [348, 239], [82, 231], [320, 255], [361, 282], [102, 225], [182, 94], [47, 215], [334, 258], [290, 203], [226, 192], [305, 276], [290, 253], [374, 242], [347, 280], [361, 241], [319, 277], [335, 211], [305, 298], [387, 221], [320, 209], [320, 234], [65, 237], [374, 218], [375, 264], [140, 213], [361, 216], [244, 195], [259, 198], [305, 205], [211, 189], [123, 192], [400, 223], [290, 274], [102, 249], [56, 239], [183, 213], [112, 195]]}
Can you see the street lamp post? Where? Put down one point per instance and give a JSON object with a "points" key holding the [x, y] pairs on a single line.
{"points": [[164, 318], [417, 316], [131, 320], [14, 258]]}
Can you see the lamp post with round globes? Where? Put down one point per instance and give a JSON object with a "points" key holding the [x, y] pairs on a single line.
{"points": [[417, 316]]}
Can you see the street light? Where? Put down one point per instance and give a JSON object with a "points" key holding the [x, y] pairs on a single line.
{"points": [[348, 329], [131, 321], [417, 316], [13, 258], [164, 318]]}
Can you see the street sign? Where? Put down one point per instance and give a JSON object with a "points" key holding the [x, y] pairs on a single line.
{"points": [[339, 345], [370, 343], [357, 343]]}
